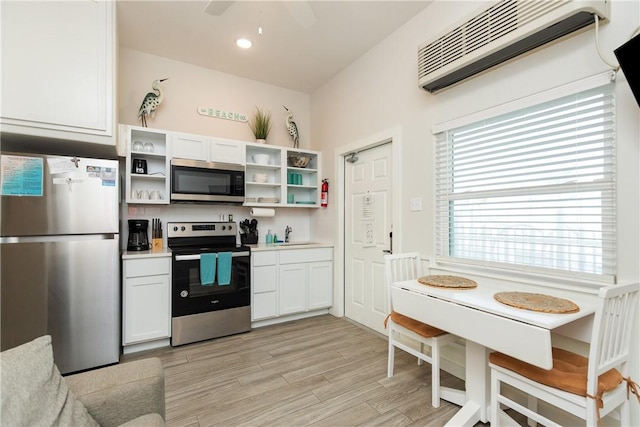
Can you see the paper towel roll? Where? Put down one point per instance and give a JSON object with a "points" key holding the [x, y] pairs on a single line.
{"points": [[262, 212]]}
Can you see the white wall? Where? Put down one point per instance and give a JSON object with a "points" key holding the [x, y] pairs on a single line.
{"points": [[380, 92], [189, 87], [297, 219]]}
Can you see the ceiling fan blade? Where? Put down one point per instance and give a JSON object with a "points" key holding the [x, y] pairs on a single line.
{"points": [[217, 7], [302, 12]]}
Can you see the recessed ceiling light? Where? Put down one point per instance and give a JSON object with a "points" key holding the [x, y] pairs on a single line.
{"points": [[244, 43]]}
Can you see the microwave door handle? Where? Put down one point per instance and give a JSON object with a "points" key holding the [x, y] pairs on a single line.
{"points": [[197, 256]]}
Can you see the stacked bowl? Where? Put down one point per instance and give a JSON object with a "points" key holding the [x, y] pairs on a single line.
{"points": [[261, 159], [260, 177]]}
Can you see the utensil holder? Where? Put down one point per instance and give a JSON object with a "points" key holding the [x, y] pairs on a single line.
{"points": [[156, 245], [249, 239]]}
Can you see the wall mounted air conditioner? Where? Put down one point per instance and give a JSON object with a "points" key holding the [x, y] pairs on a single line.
{"points": [[499, 32]]}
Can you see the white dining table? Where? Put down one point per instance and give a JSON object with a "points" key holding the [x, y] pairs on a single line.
{"points": [[486, 324]]}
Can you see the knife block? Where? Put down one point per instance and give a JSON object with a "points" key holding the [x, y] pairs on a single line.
{"points": [[156, 245]]}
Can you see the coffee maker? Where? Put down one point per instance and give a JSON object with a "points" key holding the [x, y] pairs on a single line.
{"points": [[139, 166], [138, 237]]}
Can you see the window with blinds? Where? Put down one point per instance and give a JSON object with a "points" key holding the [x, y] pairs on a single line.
{"points": [[532, 190]]}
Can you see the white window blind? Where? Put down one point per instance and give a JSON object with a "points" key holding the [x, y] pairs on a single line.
{"points": [[532, 190]]}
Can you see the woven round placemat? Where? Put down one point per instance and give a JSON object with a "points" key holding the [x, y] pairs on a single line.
{"points": [[454, 282], [537, 302]]}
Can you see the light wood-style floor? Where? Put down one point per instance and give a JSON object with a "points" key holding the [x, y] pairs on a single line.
{"points": [[321, 371]]}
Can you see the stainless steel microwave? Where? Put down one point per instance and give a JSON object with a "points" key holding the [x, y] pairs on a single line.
{"points": [[214, 182]]}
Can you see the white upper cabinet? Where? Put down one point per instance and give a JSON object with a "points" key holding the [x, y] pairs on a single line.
{"points": [[149, 182], [58, 69], [208, 149], [188, 146], [227, 151], [263, 175], [276, 176]]}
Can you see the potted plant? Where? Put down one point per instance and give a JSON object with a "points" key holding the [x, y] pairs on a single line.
{"points": [[260, 125]]}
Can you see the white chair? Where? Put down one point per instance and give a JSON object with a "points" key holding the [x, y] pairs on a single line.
{"points": [[399, 267], [572, 384]]}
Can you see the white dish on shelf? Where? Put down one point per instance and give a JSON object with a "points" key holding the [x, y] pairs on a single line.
{"points": [[268, 200], [260, 177], [261, 159], [137, 146], [250, 200]]}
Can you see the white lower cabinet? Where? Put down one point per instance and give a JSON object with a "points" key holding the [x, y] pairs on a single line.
{"points": [[319, 274], [264, 278], [146, 311], [264, 306], [293, 288], [289, 282]]}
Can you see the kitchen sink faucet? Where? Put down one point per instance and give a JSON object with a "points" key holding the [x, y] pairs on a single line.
{"points": [[286, 234]]}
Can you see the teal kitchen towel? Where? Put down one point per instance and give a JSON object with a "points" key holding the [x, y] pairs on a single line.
{"points": [[207, 269], [224, 268]]}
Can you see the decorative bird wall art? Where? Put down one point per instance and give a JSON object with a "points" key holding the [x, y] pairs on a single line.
{"points": [[150, 102], [292, 128]]}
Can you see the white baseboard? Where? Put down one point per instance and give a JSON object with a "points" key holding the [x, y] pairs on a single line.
{"points": [[147, 345], [282, 319]]}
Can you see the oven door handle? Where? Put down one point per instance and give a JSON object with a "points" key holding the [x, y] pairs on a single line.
{"points": [[197, 256]]}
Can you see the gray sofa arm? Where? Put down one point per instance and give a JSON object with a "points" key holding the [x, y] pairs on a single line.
{"points": [[120, 393]]}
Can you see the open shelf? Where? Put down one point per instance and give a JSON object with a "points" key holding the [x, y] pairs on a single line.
{"points": [[157, 161]]}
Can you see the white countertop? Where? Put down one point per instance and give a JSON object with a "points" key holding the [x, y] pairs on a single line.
{"points": [[289, 246], [165, 252], [260, 247]]}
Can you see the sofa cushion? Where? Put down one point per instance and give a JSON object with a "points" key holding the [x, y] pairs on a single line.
{"points": [[115, 394], [33, 390]]}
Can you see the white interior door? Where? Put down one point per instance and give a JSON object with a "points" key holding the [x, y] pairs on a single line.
{"points": [[368, 219]]}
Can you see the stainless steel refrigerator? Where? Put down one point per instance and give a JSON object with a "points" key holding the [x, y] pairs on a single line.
{"points": [[59, 256]]}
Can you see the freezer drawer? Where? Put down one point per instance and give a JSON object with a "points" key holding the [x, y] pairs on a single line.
{"points": [[68, 288]]}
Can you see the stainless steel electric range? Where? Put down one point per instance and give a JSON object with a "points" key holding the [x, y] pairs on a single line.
{"points": [[211, 281]]}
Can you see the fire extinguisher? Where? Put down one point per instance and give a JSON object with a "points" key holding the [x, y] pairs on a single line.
{"points": [[324, 198]]}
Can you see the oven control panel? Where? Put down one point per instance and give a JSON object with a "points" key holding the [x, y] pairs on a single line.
{"points": [[200, 229]]}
